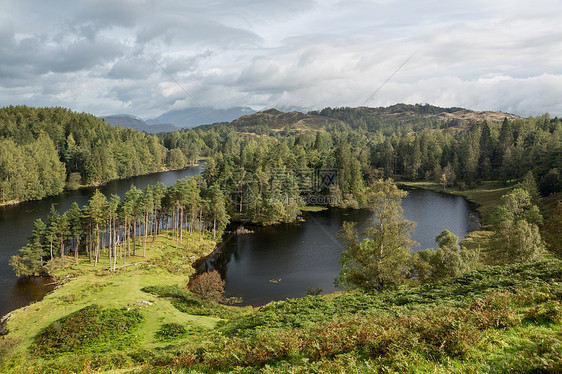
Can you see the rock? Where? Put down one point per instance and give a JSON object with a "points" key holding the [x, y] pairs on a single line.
{"points": [[3, 322]]}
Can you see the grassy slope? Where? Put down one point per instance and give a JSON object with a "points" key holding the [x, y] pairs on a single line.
{"points": [[496, 319], [290, 336], [86, 285]]}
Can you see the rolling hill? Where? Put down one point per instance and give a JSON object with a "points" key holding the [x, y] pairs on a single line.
{"points": [[399, 117]]}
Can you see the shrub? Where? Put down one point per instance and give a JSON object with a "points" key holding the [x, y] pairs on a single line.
{"points": [[171, 331], [546, 313], [208, 286], [89, 329]]}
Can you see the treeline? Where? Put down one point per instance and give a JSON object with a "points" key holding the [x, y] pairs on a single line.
{"points": [[267, 178], [120, 228], [484, 152], [45, 149]]}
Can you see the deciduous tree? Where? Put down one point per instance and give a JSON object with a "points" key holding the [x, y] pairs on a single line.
{"points": [[380, 260]]}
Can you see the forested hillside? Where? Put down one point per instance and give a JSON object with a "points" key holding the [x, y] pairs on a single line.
{"points": [[263, 174], [268, 173], [45, 149]]}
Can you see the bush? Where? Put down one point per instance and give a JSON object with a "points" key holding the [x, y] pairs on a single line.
{"points": [[171, 331], [89, 329], [208, 286], [185, 302], [73, 182], [547, 313]]}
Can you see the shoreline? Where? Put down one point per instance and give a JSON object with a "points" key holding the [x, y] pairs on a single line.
{"points": [[95, 185], [482, 198]]}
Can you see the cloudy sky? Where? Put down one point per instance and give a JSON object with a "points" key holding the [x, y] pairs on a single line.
{"points": [[148, 57]]}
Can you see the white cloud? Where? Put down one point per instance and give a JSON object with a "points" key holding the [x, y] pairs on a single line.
{"points": [[501, 55]]}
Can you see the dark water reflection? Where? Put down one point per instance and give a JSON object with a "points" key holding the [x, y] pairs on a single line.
{"points": [[275, 263], [16, 223]]}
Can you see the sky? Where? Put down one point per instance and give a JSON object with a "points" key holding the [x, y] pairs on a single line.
{"points": [[147, 57]]}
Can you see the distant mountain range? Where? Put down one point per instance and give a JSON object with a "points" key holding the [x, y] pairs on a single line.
{"points": [[192, 117], [127, 120], [176, 119], [416, 117]]}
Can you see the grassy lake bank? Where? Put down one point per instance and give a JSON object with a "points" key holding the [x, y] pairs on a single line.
{"points": [[84, 285]]}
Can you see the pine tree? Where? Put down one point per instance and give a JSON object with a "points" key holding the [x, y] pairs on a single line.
{"points": [[96, 214]]}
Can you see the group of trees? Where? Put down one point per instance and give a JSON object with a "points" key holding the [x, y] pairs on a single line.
{"points": [[249, 167], [79, 148], [383, 258], [120, 228], [517, 237], [267, 178]]}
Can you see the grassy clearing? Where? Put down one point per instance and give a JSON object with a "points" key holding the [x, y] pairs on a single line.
{"points": [[313, 208], [84, 286]]}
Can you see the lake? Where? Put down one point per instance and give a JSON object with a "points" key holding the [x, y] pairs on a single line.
{"points": [[273, 263], [283, 261]]}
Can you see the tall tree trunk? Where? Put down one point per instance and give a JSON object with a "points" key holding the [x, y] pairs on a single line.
{"points": [[214, 226], [97, 251], [174, 221], [145, 234], [155, 226], [134, 237], [109, 246], [200, 222], [181, 225], [76, 249], [61, 250], [115, 241], [89, 242], [127, 232]]}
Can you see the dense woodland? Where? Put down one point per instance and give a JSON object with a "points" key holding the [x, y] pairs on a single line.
{"points": [[251, 177], [44, 150], [120, 229], [275, 173]]}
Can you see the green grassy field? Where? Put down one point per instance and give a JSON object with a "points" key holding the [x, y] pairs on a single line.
{"points": [[495, 319], [84, 285]]}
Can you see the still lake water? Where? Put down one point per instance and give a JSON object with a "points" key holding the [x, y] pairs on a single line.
{"points": [[274, 263], [16, 224], [283, 261]]}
